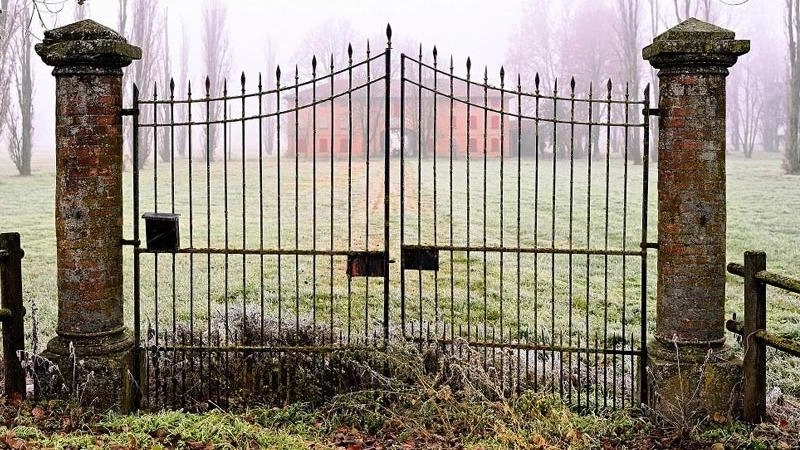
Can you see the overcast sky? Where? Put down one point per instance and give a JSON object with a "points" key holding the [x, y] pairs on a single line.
{"points": [[477, 28]]}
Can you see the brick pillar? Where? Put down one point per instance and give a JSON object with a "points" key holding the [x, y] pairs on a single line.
{"points": [[692, 371], [92, 342]]}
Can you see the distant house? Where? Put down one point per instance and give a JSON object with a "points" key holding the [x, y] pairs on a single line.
{"points": [[343, 127]]}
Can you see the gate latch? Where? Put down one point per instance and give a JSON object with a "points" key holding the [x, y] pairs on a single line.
{"points": [[366, 264], [416, 257]]}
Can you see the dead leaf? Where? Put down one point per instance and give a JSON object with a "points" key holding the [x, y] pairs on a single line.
{"points": [[14, 442], [718, 417], [37, 413]]}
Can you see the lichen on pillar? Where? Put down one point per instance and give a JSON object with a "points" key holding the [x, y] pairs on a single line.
{"points": [[92, 348], [692, 371]]}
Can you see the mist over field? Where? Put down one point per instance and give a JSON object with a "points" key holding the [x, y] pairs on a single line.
{"points": [[590, 40]]}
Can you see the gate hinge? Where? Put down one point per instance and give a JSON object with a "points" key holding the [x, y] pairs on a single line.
{"points": [[130, 111], [133, 242], [651, 111], [644, 245]]}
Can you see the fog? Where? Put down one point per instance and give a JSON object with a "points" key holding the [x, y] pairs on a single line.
{"points": [[491, 33]]}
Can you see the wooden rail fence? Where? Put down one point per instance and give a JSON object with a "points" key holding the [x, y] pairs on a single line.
{"points": [[753, 329]]}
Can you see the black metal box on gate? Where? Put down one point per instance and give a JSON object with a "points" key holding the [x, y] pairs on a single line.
{"points": [[162, 231]]}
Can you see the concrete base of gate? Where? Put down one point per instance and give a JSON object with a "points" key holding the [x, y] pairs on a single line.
{"points": [[89, 371], [688, 384]]}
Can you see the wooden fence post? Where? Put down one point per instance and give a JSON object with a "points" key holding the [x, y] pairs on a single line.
{"points": [[755, 318], [14, 313]]}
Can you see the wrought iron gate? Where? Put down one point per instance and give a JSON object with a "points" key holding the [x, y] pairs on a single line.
{"points": [[284, 198], [520, 213]]}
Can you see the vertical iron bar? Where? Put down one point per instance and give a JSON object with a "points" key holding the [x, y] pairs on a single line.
{"points": [[386, 186], [296, 204], [419, 181], [485, 161], [535, 223], [208, 157], [450, 203], [314, 191], [553, 231], [366, 132], [172, 209], [191, 224], [332, 186], [469, 284], [278, 200], [350, 181], [435, 156], [571, 224], [225, 157], [605, 233], [519, 225], [643, 384], [403, 58], [244, 216], [625, 233], [139, 376], [261, 202], [155, 208], [589, 156]]}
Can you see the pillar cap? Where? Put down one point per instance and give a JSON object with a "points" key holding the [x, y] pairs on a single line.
{"points": [[86, 44], [694, 43]]}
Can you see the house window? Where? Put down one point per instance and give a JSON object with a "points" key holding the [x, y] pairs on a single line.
{"points": [[473, 122], [342, 119], [343, 148], [323, 147], [473, 144], [495, 145], [495, 124]]}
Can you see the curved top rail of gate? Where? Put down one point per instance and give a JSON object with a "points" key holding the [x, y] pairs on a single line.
{"points": [[467, 83], [279, 91]]}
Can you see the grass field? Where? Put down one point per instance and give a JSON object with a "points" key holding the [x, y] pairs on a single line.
{"points": [[761, 215]]}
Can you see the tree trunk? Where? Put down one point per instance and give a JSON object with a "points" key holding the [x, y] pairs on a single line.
{"points": [[26, 104]]}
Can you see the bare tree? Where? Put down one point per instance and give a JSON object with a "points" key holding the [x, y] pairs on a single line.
{"points": [[685, 9], [533, 44], [627, 29], [747, 111], [146, 30], [791, 161], [181, 86], [216, 56], [268, 82], [329, 39], [163, 74], [16, 107]]}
